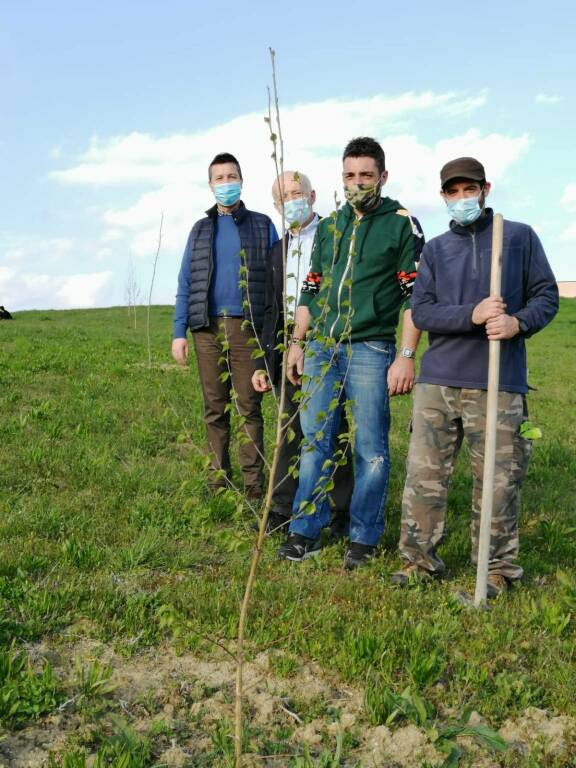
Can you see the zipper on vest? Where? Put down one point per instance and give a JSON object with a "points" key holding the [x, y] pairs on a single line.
{"points": [[210, 270]]}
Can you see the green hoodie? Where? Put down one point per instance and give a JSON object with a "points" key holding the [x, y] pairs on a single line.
{"points": [[373, 276]]}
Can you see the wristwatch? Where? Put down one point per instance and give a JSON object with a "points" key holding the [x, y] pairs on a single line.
{"points": [[406, 352]]}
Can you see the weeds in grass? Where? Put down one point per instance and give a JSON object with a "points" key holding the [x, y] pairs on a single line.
{"points": [[94, 679], [385, 707], [444, 739], [75, 758], [551, 617], [363, 650], [147, 549], [124, 749], [84, 556], [284, 664], [513, 689], [555, 534], [222, 737], [567, 582], [326, 759], [25, 694], [424, 667]]}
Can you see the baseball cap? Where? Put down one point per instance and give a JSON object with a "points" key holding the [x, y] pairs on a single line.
{"points": [[462, 168]]}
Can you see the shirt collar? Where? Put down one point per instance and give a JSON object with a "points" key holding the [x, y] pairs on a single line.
{"points": [[308, 229]]}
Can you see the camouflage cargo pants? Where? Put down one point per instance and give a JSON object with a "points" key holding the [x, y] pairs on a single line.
{"points": [[442, 416]]}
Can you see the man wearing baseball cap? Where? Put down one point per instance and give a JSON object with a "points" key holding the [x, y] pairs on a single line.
{"points": [[451, 301]]}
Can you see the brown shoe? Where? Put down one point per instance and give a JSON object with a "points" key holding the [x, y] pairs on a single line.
{"points": [[496, 585], [410, 573]]}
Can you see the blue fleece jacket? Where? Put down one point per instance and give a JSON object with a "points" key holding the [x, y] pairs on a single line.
{"points": [[454, 276]]}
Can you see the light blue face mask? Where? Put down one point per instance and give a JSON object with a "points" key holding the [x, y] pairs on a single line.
{"points": [[465, 210], [297, 211], [227, 194]]}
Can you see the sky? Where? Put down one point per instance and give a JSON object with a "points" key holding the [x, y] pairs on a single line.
{"points": [[111, 112]]}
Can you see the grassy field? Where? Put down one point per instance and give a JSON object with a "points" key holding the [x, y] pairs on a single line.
{"points": [[120, 581]]}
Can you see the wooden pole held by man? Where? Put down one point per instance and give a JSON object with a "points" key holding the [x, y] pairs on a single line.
{"points": [[491, 423]]}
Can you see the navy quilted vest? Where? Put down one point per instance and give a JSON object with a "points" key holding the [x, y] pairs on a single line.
{"points": [[254, 230]]}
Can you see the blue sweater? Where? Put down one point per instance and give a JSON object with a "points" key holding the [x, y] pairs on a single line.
{"points": [[225, 294], [454, 276]]}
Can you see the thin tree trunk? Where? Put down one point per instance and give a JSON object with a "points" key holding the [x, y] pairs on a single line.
{"points": [[150, 292], [280, 435]]}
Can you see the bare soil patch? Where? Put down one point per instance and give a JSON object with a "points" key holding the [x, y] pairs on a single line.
{"points": [[162, 688]]}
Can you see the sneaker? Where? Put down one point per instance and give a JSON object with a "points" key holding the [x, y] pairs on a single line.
{"points": [[496, 585], [276, 523], [358, 555], [297, 548], [410, 573]]}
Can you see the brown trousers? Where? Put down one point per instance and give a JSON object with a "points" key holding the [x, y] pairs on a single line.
{"points": [[222, 348]]}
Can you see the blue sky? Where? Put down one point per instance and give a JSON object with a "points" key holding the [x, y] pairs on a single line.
{"points": [[112, 111]]}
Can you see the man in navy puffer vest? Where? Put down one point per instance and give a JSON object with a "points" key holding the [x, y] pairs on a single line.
{"points": [[224, 309]]}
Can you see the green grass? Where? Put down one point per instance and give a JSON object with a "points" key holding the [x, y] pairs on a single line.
{"points": [[25, 694], [107, 529]]}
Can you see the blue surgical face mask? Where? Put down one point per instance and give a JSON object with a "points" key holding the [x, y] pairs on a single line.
{"points": [[297, 211], [465, 210], [227, 194]]}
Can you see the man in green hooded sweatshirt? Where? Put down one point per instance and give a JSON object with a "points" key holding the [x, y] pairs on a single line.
{"points": [[343, 347]]}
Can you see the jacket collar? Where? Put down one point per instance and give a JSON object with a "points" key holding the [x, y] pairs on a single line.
{"points": [[479, 225], [238, 215]]}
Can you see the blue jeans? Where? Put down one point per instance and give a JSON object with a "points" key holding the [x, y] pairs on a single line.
{"points": [[363, 375]]}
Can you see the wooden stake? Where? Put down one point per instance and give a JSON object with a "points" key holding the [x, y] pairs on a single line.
{"points": [[491, 423]]}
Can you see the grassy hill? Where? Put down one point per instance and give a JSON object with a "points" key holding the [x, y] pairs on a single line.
{"points": [[121, 577]]}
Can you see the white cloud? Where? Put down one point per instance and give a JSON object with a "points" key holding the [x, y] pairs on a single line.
{"points": [[415, 166], [568, 199], [139, 158], [464, 106], [103, 254], [414, 179], [171, 172], [569, 234], [30, 249], [547, 98], [35, 290], [111, 235]]}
